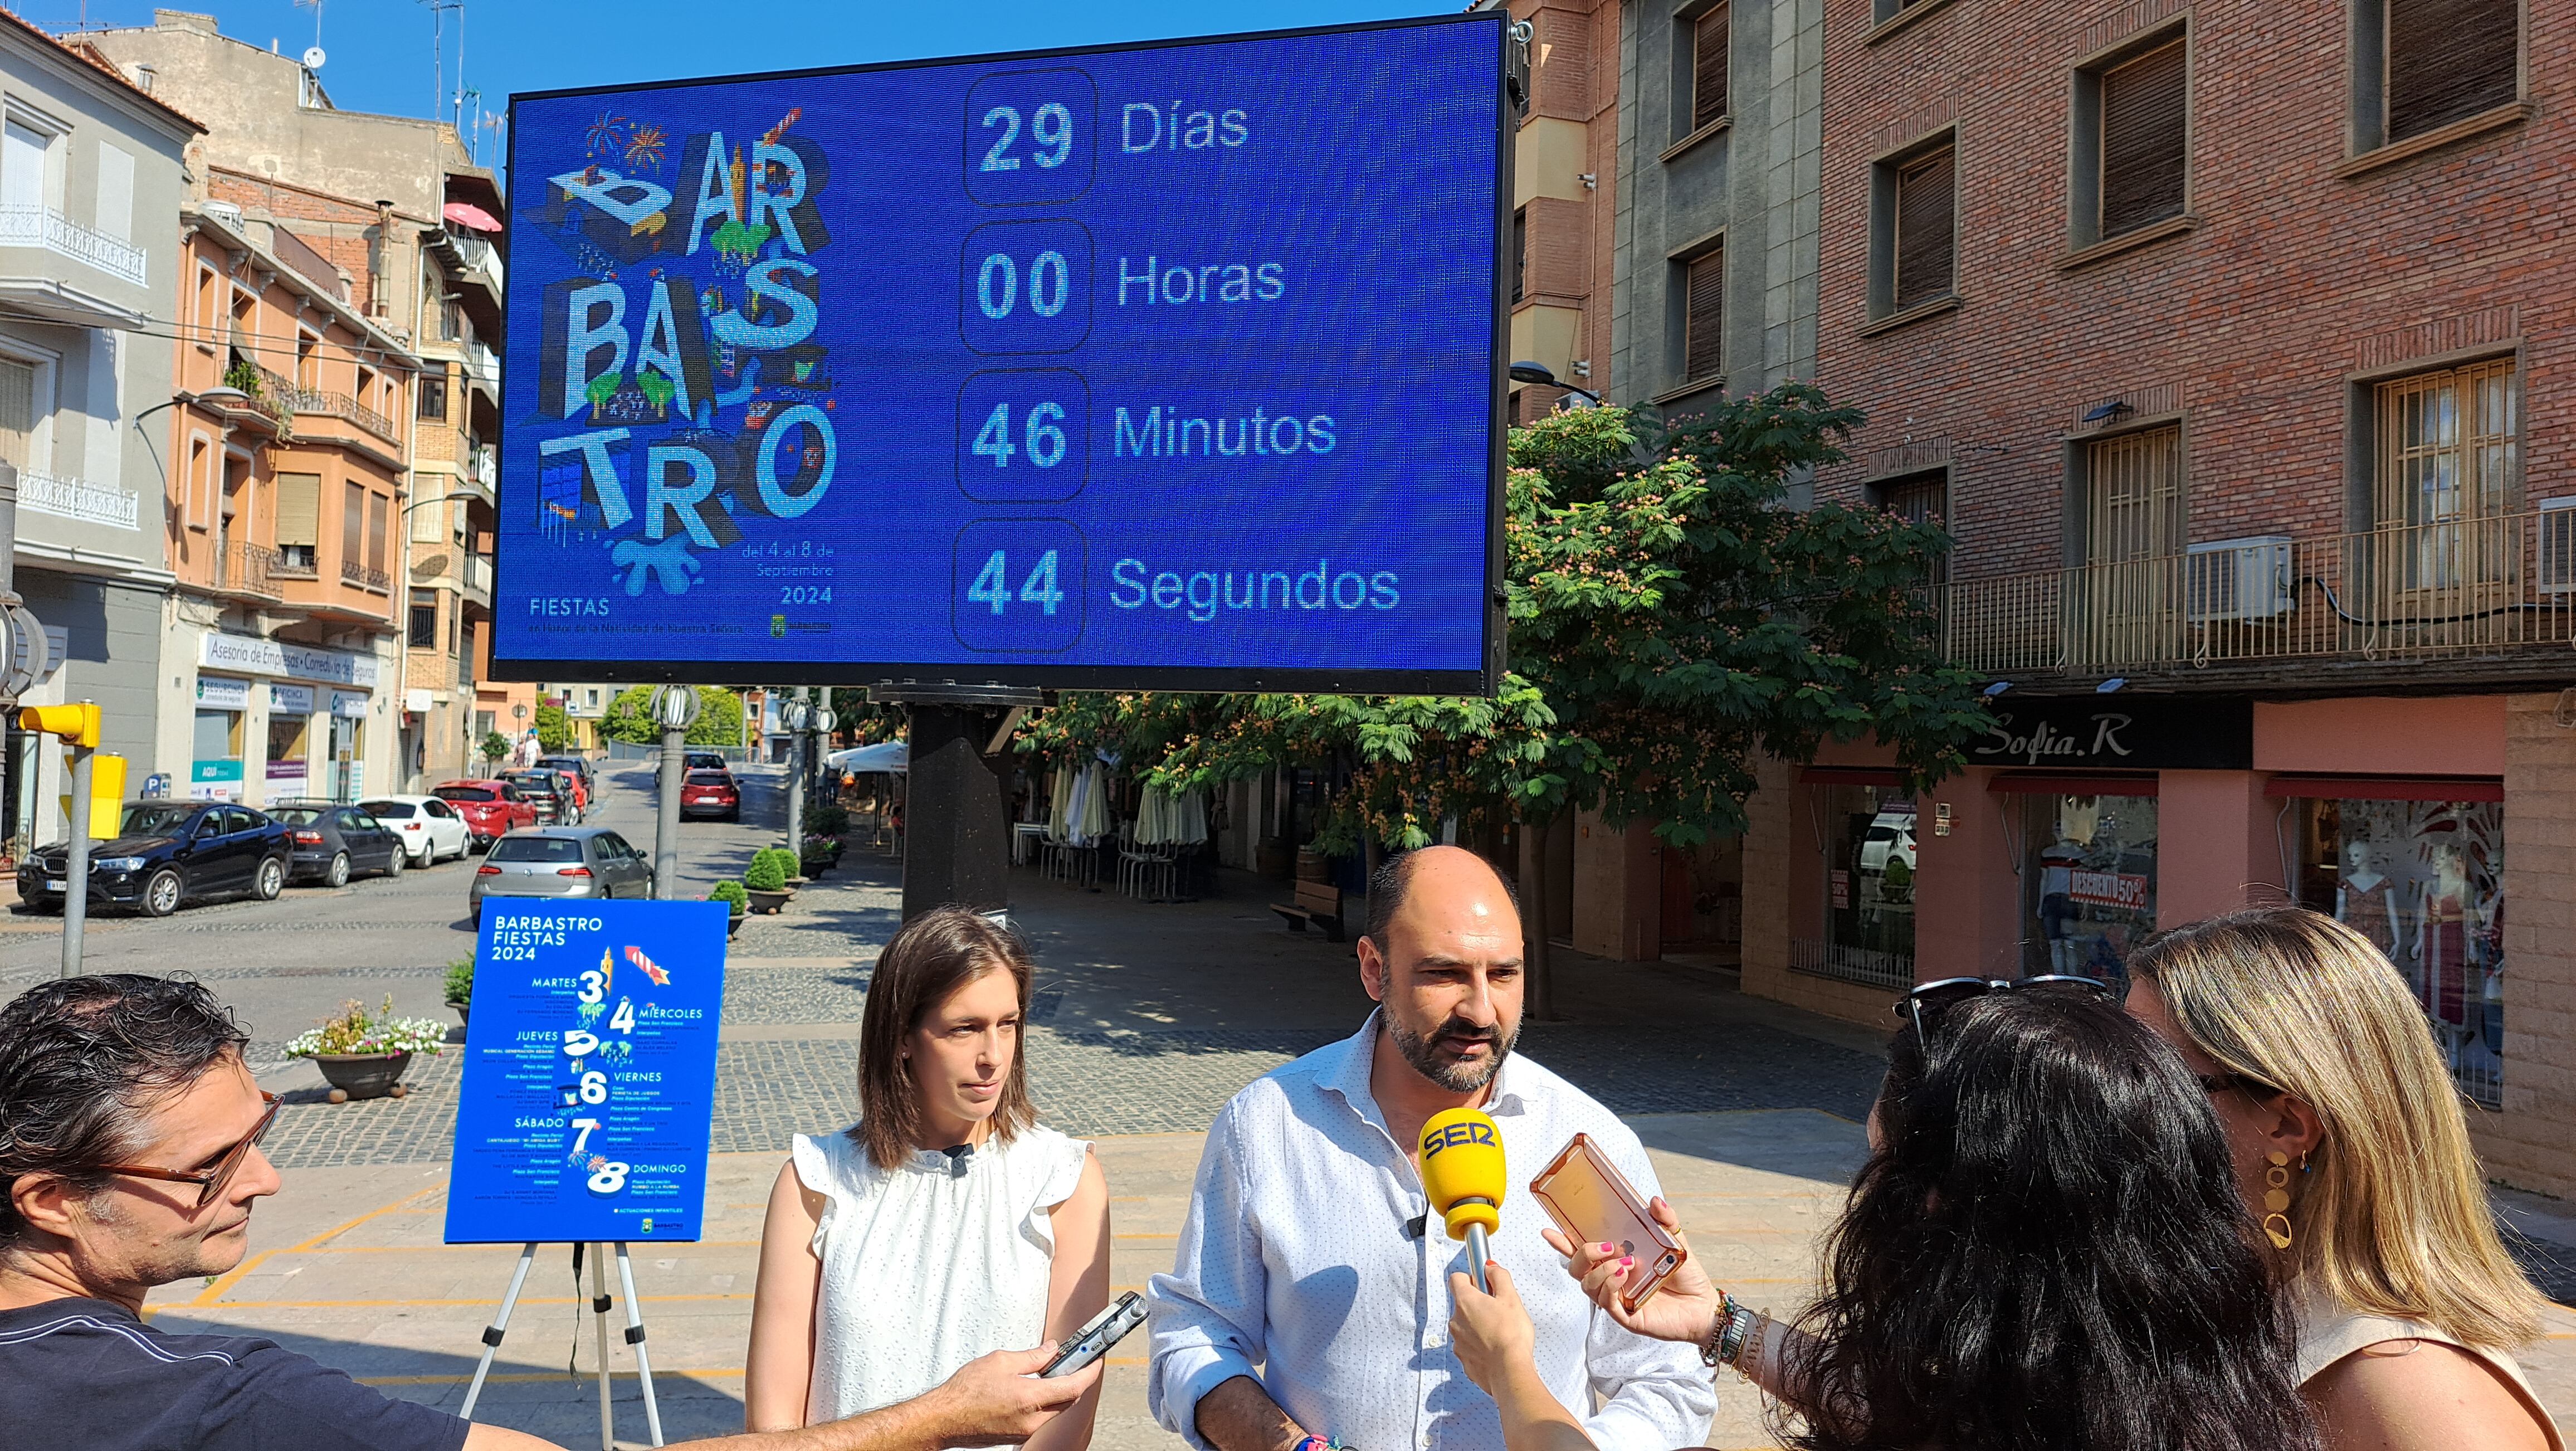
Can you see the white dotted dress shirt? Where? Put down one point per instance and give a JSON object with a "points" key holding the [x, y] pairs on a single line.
{"points": [[1296, 1267]]}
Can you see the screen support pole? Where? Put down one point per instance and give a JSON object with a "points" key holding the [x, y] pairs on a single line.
{"points": [[957, 837], [666, 815]]}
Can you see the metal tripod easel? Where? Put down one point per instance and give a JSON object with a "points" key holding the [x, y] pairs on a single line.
{"points": [[599, 1318]]}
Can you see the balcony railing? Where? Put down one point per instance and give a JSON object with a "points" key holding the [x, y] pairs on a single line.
{"points": [[245, 568], [294, 561], [79, 499], [481, 366], [47, 228], [341, 405], [478, 575], [365, 578], [477, 252], [2459, 588]]}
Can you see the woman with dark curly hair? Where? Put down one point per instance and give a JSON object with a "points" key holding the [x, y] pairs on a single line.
{"points": [[2044, 1250]]}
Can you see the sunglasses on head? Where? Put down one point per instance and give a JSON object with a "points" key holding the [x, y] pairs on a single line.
{"points": [[210, 1182], [1928, 998]]}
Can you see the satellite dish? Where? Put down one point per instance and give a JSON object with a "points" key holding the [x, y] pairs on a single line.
{"points": [[313, 57]]}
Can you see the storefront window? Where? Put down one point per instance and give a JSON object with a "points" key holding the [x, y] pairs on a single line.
{"points": [[1867, 833], [2424, 881], [2088, 882], [215, 770]]}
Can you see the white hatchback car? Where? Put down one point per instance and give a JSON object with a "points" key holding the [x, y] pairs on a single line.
{"points": [[431, 830]]}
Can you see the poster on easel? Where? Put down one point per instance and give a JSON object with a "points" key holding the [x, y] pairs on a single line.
{"points": [[589, 1073]]}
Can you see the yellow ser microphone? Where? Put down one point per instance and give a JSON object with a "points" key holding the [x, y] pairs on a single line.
{"points": [[1462, 1173]]}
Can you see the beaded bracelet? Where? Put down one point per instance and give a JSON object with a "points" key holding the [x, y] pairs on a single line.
{"points": [[1708, 1353]]}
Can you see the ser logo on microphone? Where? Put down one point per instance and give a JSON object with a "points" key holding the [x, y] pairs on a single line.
{"points": [[1457, 1133]]}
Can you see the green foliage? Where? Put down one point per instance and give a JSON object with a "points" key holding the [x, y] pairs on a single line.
{"points": [[785, 858], [1672, 620], [245, 376], [554, 729], [630, 718], [657, 390], [733, 894], [827, 821], [603, 388], [766, 873], [460, 980], [495, 746]]}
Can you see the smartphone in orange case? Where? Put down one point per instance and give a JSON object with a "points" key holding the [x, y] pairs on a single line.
{"points": [[1591, 1201]]}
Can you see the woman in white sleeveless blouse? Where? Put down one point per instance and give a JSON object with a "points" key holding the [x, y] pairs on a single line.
{"points": [[2351, 1144], [947, 1223]]}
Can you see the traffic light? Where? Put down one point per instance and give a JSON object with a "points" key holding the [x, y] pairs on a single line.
{"points": [[77, 724]]}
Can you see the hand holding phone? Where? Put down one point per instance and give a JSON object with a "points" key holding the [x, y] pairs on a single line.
{"points": [[1093, 1340], [1593, 1204]]}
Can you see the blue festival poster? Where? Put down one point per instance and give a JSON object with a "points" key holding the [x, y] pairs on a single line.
{"points": [[589, 1073]]}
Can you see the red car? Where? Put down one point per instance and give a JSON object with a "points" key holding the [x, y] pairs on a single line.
{"points": [[710, 793], [490, 808]]}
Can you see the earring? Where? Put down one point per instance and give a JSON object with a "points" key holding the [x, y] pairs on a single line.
{"points": [[2276, 1199]]}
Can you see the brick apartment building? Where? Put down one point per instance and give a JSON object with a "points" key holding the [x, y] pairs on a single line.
{"points": [[1564, 197], [2228, 340]]}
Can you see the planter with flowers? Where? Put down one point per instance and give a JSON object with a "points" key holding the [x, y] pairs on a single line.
{"points": [[363, 1054]]}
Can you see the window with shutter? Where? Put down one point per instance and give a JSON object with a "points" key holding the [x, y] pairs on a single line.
{"points": [[2448, 60], [2135, 511], [1926, 215], [299, 512], [377, 506], [2144, 158], [1704, 316], [17, 412], [1708, 67], [1520, 271], [353, 530]]}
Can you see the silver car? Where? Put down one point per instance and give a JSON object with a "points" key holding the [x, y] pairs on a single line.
{"points": [[560, 862]]}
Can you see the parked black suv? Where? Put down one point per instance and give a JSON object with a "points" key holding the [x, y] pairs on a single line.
{"points": [[167, 852]]}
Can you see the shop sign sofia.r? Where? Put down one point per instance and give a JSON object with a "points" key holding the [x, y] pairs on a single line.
{"points": [[2094, 732]]}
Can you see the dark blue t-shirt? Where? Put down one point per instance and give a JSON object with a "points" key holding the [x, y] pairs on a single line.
{"points": [[88, 1373]]}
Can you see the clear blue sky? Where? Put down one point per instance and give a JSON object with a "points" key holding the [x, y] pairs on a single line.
{"points": [[381, 55]]}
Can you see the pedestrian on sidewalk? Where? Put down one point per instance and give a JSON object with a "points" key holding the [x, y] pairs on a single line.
{"points": [[947, 1223], [2348, 1131], [1306, 1251], [129, 1159], [2045, 1250]]}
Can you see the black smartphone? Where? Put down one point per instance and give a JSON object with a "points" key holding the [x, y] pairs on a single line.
{"points": [[1092, 1341]]}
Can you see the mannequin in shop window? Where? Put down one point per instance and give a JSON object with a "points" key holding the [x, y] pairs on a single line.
{"points": [[2366, 900], [2442, 935], [2057, 904]]}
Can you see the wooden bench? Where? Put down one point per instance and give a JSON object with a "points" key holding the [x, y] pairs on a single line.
{"points": [[1317, 902]]}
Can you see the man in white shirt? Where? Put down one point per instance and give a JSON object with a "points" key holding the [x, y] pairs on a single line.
{"points": [[1310, 1297]]}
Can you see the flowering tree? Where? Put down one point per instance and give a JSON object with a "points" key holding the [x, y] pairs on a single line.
{"points": [[1672, 620]]}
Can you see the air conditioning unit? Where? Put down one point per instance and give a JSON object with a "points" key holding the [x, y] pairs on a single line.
{"points": [[2238, 579], [2556, 555]]}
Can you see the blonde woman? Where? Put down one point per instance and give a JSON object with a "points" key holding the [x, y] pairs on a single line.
{"points": [[2350, 1142]]}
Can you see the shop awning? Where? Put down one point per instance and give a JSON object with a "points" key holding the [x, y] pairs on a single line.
{"points": [[2070, 783], [1851, 776], [2386, 788]]}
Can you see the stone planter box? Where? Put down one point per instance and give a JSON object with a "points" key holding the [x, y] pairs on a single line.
{"points": [[363, 1075], [768, 903]]}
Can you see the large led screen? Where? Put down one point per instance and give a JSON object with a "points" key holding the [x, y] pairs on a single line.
{"points": [[1171, 366]]}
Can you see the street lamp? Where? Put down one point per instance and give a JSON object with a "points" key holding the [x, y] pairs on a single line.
{"points": [[221, 395], [1529, 372]]}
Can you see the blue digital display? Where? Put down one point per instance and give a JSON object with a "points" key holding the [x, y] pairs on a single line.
{"points": [[589, 1073], [1176, 366]]}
